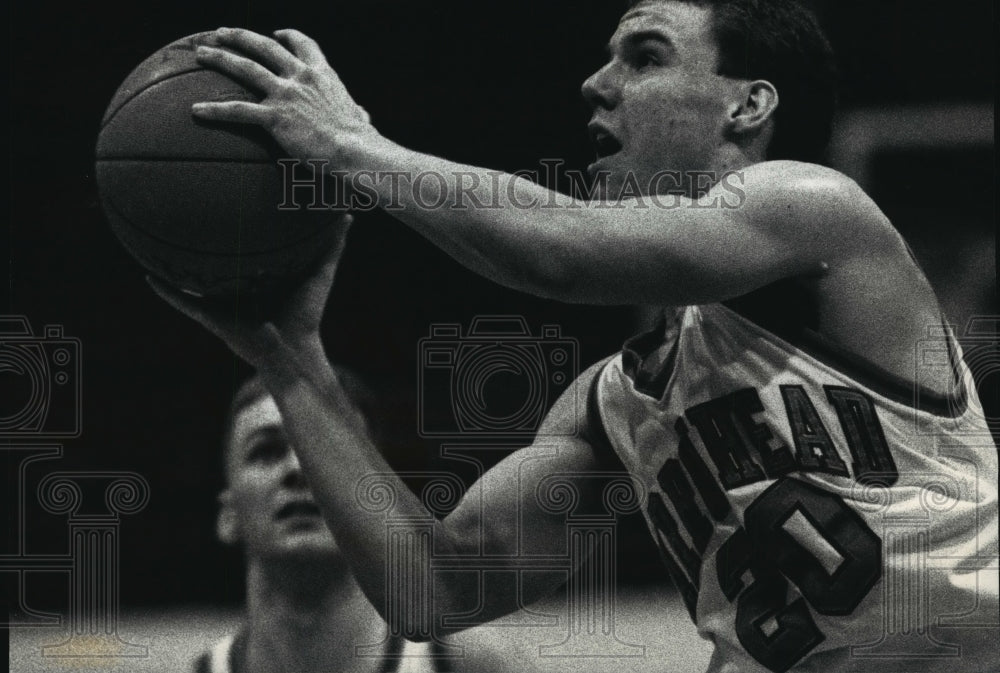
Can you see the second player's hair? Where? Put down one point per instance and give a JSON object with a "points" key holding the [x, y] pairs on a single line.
{"points": [[252, 390]]}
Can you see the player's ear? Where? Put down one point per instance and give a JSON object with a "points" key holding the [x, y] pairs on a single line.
{"points": [[226, 525], [753, 109]]}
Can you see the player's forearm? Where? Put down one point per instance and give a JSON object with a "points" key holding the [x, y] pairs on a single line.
{"points": [[501, 226], [331, 441], [656, 250]]}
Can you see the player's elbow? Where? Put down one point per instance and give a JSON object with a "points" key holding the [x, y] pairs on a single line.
{"points": [[549, 275]]}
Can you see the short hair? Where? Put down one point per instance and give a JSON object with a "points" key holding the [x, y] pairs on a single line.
{"points": [[252, 389], [780, 41], [249, 392]]}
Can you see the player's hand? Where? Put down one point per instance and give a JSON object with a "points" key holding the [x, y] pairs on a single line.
{"points": [[294, 324], [305, 106]]}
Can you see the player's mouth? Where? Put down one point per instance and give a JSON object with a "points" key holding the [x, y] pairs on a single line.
{"points": [[605, 142], [297, 509]]}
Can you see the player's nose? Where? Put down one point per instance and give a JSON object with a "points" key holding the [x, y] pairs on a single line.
{"points": [[293, 476], [600, 89]]}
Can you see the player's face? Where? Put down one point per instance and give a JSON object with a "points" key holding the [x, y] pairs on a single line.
{"points": [[268, 505], [658, 104]]}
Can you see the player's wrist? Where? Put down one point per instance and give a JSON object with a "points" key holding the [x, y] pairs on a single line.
{"points": [[371, 153], [308, 350], [285, 366]]}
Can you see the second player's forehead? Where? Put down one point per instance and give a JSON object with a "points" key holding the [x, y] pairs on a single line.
{"points": [[258, 417], [685, 27]]}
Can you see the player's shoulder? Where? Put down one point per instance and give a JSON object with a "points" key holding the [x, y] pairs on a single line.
{"points": [[820, 204], [806, 189], [572, 404], [575, 414], [802, 178]]}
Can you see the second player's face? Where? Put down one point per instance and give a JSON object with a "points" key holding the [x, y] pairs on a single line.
{"points": [[272, 510], [658, 104]]}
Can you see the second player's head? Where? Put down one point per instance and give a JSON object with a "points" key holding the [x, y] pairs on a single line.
{"points": [[267, 505], [706, 85]]}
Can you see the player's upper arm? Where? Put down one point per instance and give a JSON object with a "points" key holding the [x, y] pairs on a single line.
{"points": [[770, 222], [510, 511]]}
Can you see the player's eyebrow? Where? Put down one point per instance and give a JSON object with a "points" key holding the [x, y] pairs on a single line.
{"points": [[634, 39], [651, 35], [266, 432]]}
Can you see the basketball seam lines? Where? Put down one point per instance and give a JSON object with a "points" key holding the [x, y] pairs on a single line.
{"points": [[110, 205], [149, 86]]}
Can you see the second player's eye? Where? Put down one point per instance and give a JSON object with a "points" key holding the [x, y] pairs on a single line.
{"points": [[268, 451]]}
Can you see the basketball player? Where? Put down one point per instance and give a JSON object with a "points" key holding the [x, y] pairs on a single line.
{"points": [[305, 611], [815, 513]]}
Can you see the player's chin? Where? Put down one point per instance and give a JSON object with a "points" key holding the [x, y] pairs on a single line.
{"points": [[307, 536], [610, 174], [306, 548]]}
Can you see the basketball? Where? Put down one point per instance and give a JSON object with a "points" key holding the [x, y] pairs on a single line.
{"points": [[202, 206]]}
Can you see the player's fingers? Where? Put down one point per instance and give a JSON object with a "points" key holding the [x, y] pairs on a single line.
{"points": [[332, 261], [262, 49], [302, 46], [343, 225], [240, 68], [230, 331], [183, 303], [241, 112], [323, 278], [207, 38]]}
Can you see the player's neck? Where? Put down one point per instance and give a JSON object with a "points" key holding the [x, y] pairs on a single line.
{"points": [[732, 157], [307, 617], [723, 162]]}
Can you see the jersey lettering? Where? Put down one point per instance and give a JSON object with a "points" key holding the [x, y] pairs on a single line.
{"points": [[774, 555], [667, 527], [713, 495], [769, 454], [776, 461], [718, 424], [865, 437], [793, 533], [814, 450], [833, 586], [678, 489]]}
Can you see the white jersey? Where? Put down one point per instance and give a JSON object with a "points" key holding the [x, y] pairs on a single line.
{"points": [[813, 520]]}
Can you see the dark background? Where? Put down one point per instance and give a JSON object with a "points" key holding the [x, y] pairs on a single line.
{"points": [[492, 84]]}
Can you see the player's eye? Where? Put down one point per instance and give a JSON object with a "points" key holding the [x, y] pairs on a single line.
{"points": [[645, 59], [267, 451]]}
